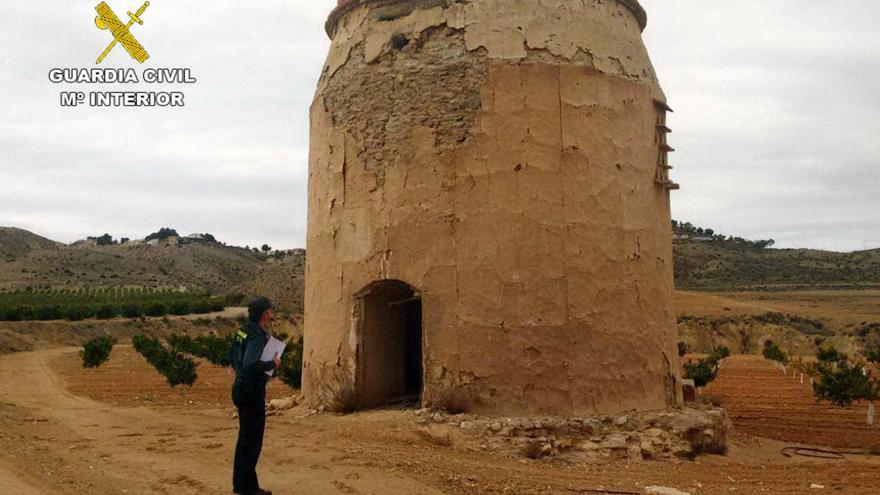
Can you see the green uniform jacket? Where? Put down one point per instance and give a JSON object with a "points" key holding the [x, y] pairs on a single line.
{"points": [[247, 348]]}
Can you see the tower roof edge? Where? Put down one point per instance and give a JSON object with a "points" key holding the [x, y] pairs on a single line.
{"points": [[343, 6]]}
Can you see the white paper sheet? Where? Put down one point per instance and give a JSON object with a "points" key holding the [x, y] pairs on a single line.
{"points": [[274, 346]]}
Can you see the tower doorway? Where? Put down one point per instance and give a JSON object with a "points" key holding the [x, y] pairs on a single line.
{"points": [[389, 354]]}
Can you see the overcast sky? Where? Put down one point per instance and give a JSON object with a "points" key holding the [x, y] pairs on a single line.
{"points": [[777, 119]]}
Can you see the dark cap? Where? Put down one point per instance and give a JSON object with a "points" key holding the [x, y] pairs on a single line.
{"points": [[257, 307]]}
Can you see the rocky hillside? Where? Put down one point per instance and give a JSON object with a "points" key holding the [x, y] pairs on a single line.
{"points": [[703, 261], [708, 261], [17, 242], [30, 261]]}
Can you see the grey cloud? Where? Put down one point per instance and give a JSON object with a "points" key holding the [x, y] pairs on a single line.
{"points": [[775, 125]]}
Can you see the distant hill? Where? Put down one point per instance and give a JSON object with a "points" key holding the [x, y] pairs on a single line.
{"points": [[31, 261], [17, 242], [708, 261], [703, 261]]}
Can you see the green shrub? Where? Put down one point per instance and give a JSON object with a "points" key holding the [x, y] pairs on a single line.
{"points": [[774, 353], [701, 372], [180, 343], [179, 308], [49, 312], [105, 312], [132, 310], [76, 313], [705, 370], [291, 365], [843, 383], [174, 366], [155, 309], [830, 355], [214, 348], [719, 353], [179, 370], [211, 347], [96, 351], [682, 349]]}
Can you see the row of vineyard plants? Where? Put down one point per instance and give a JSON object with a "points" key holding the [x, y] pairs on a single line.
{"points": [[214, 348], [103, 303], [173, 361], [173, 365]]}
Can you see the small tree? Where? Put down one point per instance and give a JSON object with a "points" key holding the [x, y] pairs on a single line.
{"points": [[291, 365], [266, 248], [705, 370], [774, 353], [701, 372], [162, 234], [844, 383], [104, 240], [830, 355], [719, 353], [682, 349], [96, 351], [872, 348]]}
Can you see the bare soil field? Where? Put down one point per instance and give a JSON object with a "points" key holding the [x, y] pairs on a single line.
{"points": [[127, 380], [65, 430], [840, 307], [763, 401]]}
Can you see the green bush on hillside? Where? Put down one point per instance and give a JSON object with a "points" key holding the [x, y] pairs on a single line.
{"points": [[830, 355], [105, 312], [132, 310], [773, 352]]}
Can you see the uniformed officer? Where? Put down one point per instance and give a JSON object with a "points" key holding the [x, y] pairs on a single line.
{"points": [[249, 395]]}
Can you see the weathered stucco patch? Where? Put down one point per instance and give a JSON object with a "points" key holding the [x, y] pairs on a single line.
{"points": [[564, 29], [428, 80]]}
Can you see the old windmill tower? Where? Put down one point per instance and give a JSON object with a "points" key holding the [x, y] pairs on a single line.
{"points": [[489, 208]]}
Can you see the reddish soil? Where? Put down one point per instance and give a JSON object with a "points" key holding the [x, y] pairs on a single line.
{"points": [[128, 380], [69, 431], [762, 401]]}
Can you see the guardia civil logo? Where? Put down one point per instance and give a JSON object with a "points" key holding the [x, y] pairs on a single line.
{"points": [[122, 86], [107, 20]]}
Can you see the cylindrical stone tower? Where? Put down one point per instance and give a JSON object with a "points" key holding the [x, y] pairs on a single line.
{"points": [[489, 221]]}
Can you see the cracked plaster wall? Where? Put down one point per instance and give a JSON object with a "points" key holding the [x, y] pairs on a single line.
{"points": [[499, 156]]}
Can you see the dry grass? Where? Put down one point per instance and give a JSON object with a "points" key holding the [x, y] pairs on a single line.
{"points": [[338, 393], [452, 398]]}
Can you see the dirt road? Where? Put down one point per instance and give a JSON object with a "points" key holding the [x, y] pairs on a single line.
{"points": [[77, 445], [53, 441]]}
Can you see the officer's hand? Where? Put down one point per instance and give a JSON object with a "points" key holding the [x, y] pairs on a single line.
{"points": [[277, 361]]}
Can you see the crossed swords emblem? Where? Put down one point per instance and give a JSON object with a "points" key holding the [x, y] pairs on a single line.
{"points": [[121, 32]]}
